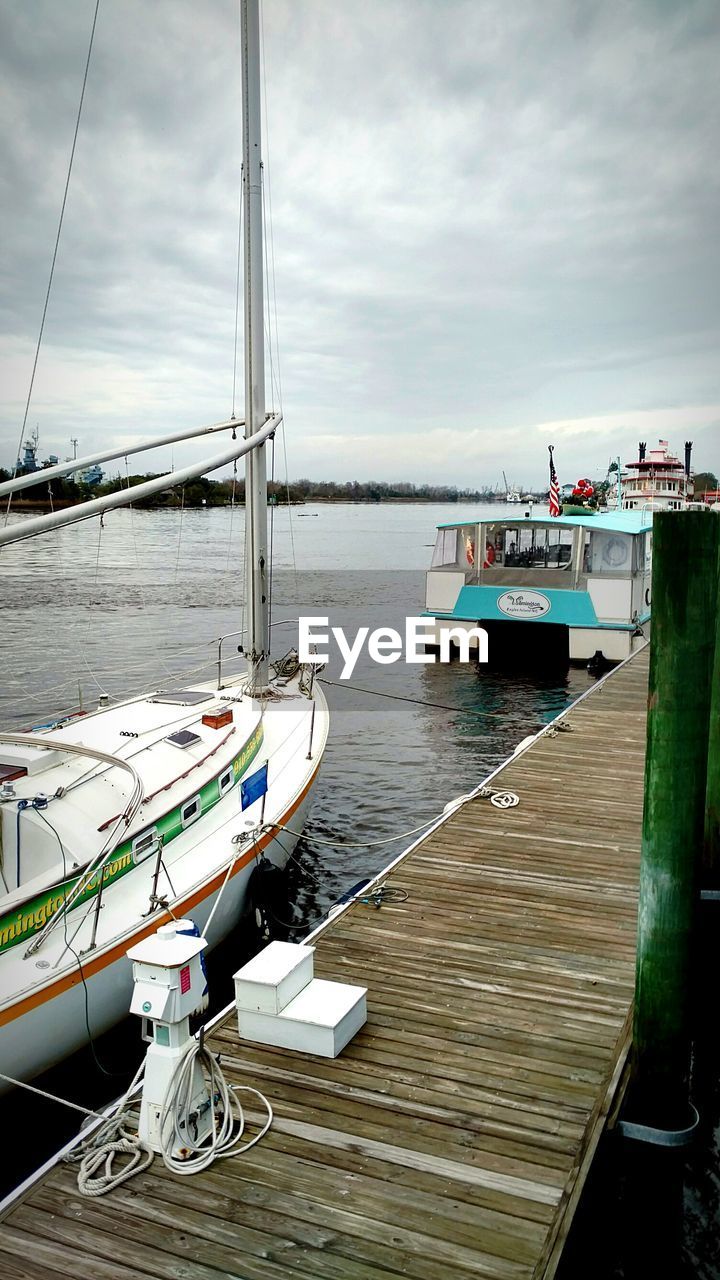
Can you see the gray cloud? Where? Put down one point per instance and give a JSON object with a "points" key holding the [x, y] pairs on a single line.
{"points": [[486, 218]]}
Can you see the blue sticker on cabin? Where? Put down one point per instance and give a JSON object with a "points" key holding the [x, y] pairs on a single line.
{"points": [[252, 788]]}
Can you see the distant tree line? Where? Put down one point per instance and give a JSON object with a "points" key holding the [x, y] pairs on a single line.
{"points": [[203, 492], [705, 481], [376, 491], [65, 491]]}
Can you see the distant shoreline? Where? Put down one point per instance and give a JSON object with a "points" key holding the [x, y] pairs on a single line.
{"points": [[34, 507], [64, 491]]}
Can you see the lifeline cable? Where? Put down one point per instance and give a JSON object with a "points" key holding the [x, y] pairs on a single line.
{"points": [[104, 1070]]}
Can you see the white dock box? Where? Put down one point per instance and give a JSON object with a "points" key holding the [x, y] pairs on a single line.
{"points": [[320, 1020], [268, 982]]}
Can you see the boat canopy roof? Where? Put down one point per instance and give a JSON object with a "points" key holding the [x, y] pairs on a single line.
{"points": [[614, 521]]}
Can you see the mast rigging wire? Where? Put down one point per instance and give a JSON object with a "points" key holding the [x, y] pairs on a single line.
{"points": [[270, 274], [237, 294], [55, 251]]}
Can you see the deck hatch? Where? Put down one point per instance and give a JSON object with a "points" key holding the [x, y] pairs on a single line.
{"points": [[183, 738], [182, 697]]}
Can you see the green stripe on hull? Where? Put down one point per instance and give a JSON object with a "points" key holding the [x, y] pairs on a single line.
{"points": [[20, 925]]}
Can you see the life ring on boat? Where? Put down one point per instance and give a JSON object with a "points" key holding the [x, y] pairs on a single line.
{"points": [[470, 551], [489, 555]]}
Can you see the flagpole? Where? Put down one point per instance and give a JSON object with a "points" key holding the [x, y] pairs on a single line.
{"points": [[554, 494]]}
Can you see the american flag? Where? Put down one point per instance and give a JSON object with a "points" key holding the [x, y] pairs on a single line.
{"points": [[554, 486]]}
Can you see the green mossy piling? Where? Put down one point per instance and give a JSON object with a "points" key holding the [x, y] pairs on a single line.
{"points": [[682, 654]]}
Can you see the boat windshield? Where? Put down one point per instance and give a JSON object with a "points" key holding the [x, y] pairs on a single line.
{"points": [[529, 546], [519, 552]]}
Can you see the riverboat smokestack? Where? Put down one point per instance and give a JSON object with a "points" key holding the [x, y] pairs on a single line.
{"points": [[688, 451], [642, 446]]}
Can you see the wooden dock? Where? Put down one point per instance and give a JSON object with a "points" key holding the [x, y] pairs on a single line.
{"points": [[453, 1136]]}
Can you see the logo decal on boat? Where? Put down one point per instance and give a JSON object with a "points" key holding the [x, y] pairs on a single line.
{"points": [[523, 604], [33, 914]]}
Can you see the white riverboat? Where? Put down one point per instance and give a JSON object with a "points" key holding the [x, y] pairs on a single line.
{"points": [[658, 481], [580, 583]]}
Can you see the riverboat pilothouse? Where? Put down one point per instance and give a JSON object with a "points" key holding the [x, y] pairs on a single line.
{"points": [[587, 577], [658, 481]]}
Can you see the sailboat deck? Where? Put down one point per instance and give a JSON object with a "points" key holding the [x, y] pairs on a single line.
{"points": [[452, 1137]]}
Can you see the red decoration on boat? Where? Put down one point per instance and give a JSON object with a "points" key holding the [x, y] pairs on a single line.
{"points": [[218, 719]]}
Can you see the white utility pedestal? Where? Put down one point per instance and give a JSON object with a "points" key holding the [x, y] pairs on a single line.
{"points": [[170, 986], [279, 1002]]}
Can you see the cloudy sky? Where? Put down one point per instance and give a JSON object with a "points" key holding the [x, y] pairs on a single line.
{"points": [[495, 227]]}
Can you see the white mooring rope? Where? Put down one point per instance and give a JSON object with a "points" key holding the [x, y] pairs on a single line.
{"points": [[99, 1170], [96, 1155], [179, 1107]]}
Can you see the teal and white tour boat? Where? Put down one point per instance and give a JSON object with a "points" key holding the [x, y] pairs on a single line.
{"points": [[580, 583]]}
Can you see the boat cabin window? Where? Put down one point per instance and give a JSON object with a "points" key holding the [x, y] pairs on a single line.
{"points": [[534, 547], [466, 548], [190, 811], [445, 552], [455, 548], [145, 844], [225, 780], [610, 551]]}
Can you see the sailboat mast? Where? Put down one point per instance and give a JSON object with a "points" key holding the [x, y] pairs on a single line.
{"points": [[256, 536]]}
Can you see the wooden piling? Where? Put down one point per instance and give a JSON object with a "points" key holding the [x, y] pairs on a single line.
{"points": [[684, 594], [711, 849]]}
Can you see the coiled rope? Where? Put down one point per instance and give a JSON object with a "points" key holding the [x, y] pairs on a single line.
{"points": [[114, 1152], [97, 1154], [180, 1108]]}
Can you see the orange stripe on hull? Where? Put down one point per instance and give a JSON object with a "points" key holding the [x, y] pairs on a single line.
{"points": [[109, 957]]}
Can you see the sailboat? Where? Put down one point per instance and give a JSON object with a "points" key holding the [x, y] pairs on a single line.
{"points": [[511, 492], [158, 806]]}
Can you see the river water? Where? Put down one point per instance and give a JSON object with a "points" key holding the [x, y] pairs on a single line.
{"points": [[88, 611], [91, 610]]}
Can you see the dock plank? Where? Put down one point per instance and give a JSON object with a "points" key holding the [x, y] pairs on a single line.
{"points": [[454, 1134]]}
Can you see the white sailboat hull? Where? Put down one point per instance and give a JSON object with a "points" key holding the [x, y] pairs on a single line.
{"points": [[52, 988], [52, 1031]]}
